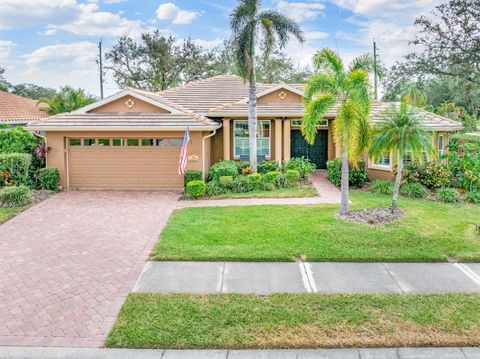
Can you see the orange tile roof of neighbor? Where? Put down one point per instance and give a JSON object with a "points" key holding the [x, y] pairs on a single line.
{"points": [[18, 109], [198, 103]]}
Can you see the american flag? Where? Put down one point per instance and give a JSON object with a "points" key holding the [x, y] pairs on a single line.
{"points": [[182, 163]]}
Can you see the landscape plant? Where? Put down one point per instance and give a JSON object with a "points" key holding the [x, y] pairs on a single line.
{"points": [[49, 178], [432, 175], [358, 176], [382, 187], [14, 168], [191, 175], [463, 158], [223, 168], [448, 195], [413, 190], [349, 88], [401, 133], [248, 21], [195, 189], [13, 196], [301, 164], [473, 197], [267, 166]]}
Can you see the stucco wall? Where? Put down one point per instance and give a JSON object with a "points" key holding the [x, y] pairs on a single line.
{"points": [[120, 106]]}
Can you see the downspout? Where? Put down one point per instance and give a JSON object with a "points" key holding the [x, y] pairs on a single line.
{"points": [[203, 151]]}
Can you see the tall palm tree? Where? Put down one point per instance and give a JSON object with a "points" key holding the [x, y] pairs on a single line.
{"points": [[250, 24], [332, 85], [401, 133]]}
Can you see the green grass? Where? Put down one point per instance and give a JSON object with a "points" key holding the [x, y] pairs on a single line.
{"points": [[7, 213], [296, 321], [430, 231], [293, 192]]}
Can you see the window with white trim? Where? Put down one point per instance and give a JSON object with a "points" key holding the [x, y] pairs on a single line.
{"points": [[441, 146], [241, 140], [382, 161]]}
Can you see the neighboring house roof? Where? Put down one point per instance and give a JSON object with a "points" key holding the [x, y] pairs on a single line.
{"points": [[18, 109], [215, 97]]}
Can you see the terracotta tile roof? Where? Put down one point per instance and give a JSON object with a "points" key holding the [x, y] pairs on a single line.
{"points": [[19, 109], [103, 121]]}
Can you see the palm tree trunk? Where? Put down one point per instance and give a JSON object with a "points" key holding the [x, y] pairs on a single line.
{"points": [[345, 179], [252, 119], [398, 179]]}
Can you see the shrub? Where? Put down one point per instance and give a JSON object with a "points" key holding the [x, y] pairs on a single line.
{"points": [[255, 179], [413, 190], [382, 187], [270, 177], [241, 165], [293, 176], [464, 163], [357, 175], [302, 165], [448, 195], [17, 140], [473, 196], [49, 178], [282, 181], [191, 175], [214, 188], [223, 168], [13, 196], [265, 184], [226, 181], [195, 189], [268, 166], [14, 168], [247, 171], [241, 184], [432, 175]]}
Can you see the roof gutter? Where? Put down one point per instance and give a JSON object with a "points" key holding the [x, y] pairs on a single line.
{"points": [[203, 151]]}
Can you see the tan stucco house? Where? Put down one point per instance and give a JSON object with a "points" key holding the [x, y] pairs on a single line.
{"points": [[132, 140]]}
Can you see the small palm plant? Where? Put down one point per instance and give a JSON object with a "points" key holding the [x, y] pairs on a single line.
{"points": [[400, 134], [67, 100], [333, 84], [248, 22]]}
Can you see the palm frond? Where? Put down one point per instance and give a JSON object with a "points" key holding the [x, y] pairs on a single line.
{"points": [[242, 46], [318, 84], [358, 86], [284, 27], [314, 112], [328, 60], [239, 17], [269, 36], [362, 62]]}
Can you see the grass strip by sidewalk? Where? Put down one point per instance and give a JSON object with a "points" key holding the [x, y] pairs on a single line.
{"points": [[292, 192], [429, 232], [240, 321], [7, 213]]}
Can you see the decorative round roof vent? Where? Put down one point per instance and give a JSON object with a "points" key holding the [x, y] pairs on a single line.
{"points": [[129, 103], [282, 95]]}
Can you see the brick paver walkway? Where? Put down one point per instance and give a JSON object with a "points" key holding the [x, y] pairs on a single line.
{"points": [[67, 264]]}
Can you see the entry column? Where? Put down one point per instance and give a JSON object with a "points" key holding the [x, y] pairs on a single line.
{"points": [[286, 140], [226, 138], [278, 140]]}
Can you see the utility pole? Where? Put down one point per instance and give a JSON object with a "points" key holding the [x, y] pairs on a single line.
{"points": [[100, 62], [375, 69]]}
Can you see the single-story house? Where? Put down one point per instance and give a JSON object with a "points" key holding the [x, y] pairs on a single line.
{"points": [[18, 111], [132, 140]]}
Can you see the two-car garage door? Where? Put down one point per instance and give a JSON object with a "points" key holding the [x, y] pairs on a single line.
{"points": [[124, 163]]}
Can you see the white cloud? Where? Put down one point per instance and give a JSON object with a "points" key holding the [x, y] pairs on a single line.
{"points": [[19, 13], [315, 35], [109, 2], [79, 54], [5, 48], [208, 44], [300, 11], [170, 11]]}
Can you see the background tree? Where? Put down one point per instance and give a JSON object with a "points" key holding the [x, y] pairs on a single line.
{"points": [[399, 134], [158, 62], [248, 22], [67, 100], [4, 85], [350, 87], [35, 92]]}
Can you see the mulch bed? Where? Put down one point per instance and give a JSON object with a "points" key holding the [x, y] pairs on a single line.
{"points": [[374, 216], [41, 195]]}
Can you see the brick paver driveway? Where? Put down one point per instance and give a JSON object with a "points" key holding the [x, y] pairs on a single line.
{"points": [[67, 264]]}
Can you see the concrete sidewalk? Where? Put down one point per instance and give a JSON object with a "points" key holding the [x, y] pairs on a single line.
{"points": [[388, 353], [301, 277]]}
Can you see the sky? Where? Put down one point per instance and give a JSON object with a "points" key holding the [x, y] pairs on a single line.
{"points": [[54, 42]]}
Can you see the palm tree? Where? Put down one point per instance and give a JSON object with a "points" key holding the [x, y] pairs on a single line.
{"points": [[249, 24], [414, 96], [67, 100], [333, 84], [401, 133]]}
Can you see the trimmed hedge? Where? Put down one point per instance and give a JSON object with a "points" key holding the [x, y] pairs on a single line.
{"points": [[432, 175], [268, 166], [13, 196], [195, 189], [358, 176], [49, 178], [191, 175], [14, 168], [224, 168]]}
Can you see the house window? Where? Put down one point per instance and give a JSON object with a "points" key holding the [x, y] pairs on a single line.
{"points": [[441, 146], [162, 142], [89, 141], [382, 161], [132, 142], [147, 142], [75, 142], [176, 142], [321, 123], [241, 139], [118, 142], [104, 142]]}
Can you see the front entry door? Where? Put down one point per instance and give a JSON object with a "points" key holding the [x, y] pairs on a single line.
{"points": [[317, 153]]}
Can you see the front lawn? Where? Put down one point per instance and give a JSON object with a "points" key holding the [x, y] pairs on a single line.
{"points": [[430, 231], [239, 321], [291, 192], [7, 213]]}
